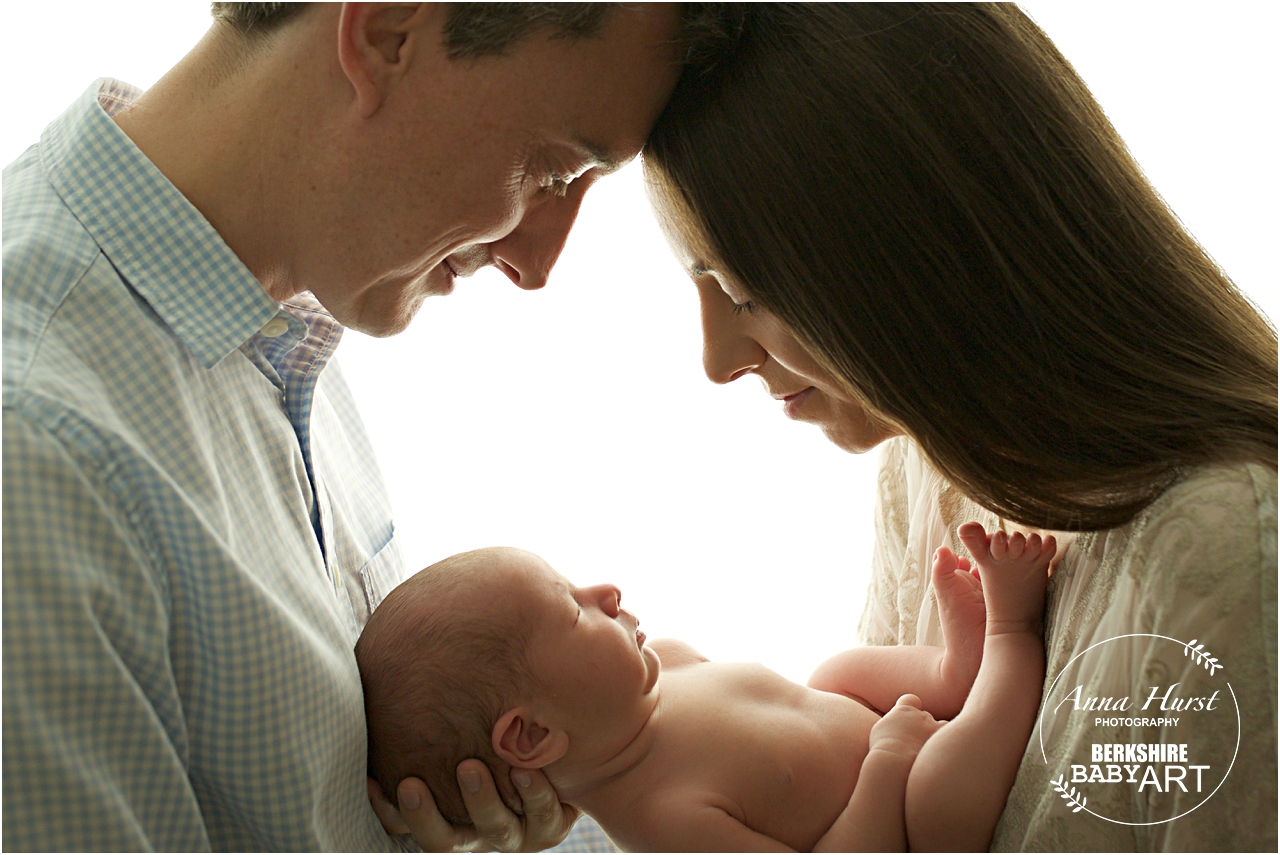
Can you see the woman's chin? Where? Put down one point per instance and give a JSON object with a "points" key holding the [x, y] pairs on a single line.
{"points": [[854, 441]]}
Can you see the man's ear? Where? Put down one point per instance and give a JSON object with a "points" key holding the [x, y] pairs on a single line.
{"points": [[376, 42], [525, 743]]}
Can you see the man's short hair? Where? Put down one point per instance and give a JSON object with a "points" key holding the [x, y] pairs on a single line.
{"points": [[484, 29], [437, 675]]}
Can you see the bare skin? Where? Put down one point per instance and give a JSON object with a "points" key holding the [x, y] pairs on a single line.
{"points": [[730, 756], [772, 775]]}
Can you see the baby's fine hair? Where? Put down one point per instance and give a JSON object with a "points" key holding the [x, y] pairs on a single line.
{"points": [[437, 675]]}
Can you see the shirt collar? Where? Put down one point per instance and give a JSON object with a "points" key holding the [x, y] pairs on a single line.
{"points": [[159, 243]]}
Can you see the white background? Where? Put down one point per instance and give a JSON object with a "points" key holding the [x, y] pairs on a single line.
{"points": [[576, 422]]}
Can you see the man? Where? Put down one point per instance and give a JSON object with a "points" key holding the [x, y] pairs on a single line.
{"points": [[195, 526]]}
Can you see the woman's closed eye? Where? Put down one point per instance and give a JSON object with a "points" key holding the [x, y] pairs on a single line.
{"points": [[739, 308], [557, 184]]}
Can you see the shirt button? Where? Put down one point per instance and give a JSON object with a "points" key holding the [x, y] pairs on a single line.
{"points": [[275, 328]]}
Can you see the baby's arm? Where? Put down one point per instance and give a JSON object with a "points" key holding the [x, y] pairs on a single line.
{"points": [[874, 820], [962, 777]]}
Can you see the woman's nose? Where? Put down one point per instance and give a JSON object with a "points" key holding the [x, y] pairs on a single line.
{"points": [[727, 352]]}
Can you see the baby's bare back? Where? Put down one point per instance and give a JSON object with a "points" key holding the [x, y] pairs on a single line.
{"points": [[781, 758]]}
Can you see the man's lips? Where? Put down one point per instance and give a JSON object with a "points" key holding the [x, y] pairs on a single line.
{"points": [[792, 403]]}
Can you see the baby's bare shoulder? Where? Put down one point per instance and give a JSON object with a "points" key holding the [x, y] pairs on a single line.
{"points": [[675, 653]]}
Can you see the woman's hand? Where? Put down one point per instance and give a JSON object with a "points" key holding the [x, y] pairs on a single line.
{"points": [[545, 823]]}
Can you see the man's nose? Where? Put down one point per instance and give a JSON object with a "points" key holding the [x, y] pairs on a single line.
{"points": [[527, 255], [727, 353]]}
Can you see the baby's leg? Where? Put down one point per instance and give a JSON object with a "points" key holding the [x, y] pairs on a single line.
{"points": [[939, 676], [962, 613], [978, 753]]}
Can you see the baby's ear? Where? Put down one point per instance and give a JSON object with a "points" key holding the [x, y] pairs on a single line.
{"points": [[525, 743]]}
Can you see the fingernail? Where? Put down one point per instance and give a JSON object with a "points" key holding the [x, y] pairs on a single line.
{"points": [[470, 780], [522, 778], [409, 798]]}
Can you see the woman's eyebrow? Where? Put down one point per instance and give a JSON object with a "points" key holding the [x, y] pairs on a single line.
{"points": [[699, 268]]}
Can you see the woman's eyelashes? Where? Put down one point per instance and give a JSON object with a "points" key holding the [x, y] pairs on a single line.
{"points": [[739, 308], [557, 184]]}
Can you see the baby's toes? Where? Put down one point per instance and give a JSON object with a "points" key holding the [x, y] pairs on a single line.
{"points": [[1017, 545], [999, 545], [945, 563], [975, 539]]}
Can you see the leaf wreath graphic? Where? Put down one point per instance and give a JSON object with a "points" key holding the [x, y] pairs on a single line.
{"points": [[1077, 802], [1197, 652]]}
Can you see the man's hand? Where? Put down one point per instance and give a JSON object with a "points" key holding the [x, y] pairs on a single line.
{"points": [[904, 729], [545, 823]]}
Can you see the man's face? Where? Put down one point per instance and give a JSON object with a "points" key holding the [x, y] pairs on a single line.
{"points": [[464, 163]]}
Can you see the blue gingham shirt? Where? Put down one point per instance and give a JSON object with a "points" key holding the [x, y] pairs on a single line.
{"points": [[195, 527]]}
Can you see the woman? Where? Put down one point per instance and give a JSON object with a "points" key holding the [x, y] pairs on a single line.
{"points": [[916, 225]]}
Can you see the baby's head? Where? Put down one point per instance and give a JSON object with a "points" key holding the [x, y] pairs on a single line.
{"points": [[492, 654]]}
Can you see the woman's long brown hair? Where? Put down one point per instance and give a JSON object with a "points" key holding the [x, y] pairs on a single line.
{"points": [[931, 198]]}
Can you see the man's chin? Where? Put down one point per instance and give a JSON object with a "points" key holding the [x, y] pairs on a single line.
{"points": [[382, 321]]}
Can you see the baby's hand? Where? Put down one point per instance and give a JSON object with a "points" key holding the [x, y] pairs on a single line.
{"points": [[904, 729]]}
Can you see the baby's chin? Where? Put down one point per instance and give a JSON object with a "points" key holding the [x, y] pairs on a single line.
{"points": [[654, 662]]}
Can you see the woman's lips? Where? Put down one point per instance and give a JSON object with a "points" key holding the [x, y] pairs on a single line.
{"points": [[640, 637], [791, 404]]}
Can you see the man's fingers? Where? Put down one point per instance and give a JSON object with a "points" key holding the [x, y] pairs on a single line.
{"points": [[392, 822], [546, 820], [430, 829], [496, 826]]}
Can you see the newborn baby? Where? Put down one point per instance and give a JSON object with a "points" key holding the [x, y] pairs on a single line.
{"points": [[492, 654]]}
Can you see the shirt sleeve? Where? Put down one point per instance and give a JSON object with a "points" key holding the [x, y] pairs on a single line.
{"points": [[94, 738]]}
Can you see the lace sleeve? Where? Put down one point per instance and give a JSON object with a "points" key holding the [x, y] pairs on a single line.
{"points": [[1198, 567], [1216, 584], [881, 624]]}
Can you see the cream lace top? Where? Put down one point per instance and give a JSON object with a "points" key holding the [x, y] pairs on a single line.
{"points": [[1199, 563]]}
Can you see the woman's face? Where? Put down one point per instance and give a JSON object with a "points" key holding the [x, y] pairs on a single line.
{"points": [[741, 338]]}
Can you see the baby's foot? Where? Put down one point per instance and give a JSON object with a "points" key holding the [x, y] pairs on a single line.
{"points": [[963, 615], [1015, 573]]}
